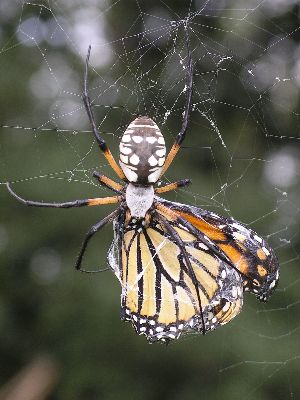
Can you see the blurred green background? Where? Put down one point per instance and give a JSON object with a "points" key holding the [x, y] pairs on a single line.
{"points": [[60, 332]]}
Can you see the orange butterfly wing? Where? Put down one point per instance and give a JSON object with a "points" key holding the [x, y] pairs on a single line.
{"points": [[159, 296], [242, 247]]}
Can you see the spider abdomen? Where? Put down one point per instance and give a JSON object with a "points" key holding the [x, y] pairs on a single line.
{"points": [[142, 151]]}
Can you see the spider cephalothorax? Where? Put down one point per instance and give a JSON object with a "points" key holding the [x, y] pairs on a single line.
{"points": [[182, 269]]}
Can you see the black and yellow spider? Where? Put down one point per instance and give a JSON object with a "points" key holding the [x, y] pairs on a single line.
{"points": [[182, 269]]}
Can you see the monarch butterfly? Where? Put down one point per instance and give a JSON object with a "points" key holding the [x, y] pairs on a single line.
{"points": [[182, 269]]}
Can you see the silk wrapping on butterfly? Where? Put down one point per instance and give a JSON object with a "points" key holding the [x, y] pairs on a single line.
{"points": [[158, 294]]}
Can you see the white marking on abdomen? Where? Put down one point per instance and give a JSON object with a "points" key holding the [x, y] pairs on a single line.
{"points": [[137, 139], [151, 139], [134, 159], [161, 161], [152, 161], [152, 178], [129, 173], [161, 152], [126, 138], [124, 149], [154, 169], [123, 158]]}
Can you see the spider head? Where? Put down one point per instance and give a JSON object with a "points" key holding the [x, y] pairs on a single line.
{"points": [[142, 151]]}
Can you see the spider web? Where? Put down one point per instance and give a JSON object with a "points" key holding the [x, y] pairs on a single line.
{"points": [[241, 152]]}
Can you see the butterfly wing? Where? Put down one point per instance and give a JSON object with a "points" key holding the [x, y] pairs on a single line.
{"points": [[159, 295], [242, 247]]}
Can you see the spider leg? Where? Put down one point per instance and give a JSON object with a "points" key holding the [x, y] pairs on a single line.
{"points": [[107, 182], [101, 142], [94, 229], [177, 239], [173, 186], [69, 204], [188, 105]]}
